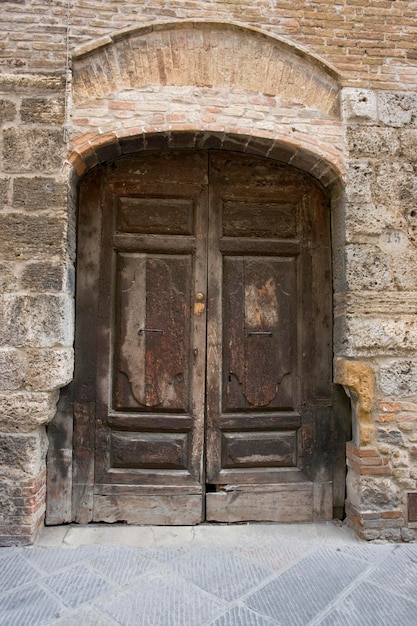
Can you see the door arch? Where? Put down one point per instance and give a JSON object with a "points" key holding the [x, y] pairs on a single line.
{"points": [[203, 370]]}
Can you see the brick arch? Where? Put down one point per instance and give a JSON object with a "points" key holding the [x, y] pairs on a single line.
{"points": [[204, 53], [94, 150]]}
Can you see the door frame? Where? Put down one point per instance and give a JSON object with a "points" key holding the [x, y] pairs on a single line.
{"points": [[60, 430]]}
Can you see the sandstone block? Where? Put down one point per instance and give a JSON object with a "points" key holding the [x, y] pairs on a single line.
{"points": [[38, 193], [359, 380], [25, 411], [29, 236], [363, 220], [13, 364], [43, 110], [22, 453], [38, 321], [359, 105], [49, 369], [32, 150], [7, 111]]}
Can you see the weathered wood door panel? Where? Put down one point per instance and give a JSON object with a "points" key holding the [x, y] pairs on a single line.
{"points": [[205, 278]]}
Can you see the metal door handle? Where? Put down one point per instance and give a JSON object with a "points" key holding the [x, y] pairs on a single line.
{"points": [[141, 331]]}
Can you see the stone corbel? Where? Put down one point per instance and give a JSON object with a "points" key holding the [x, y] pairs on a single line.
{"points": [[358, 380]]}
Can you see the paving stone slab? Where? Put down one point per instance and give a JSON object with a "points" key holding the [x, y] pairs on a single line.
{"points": [[78, 585], [368, 553], [163, 601], [54, 559], [122, 565], [163, 555], [306, 588], [242, 616], [397, 573], [273, 556], [15, 571], [87, 616], [222, 573], [29, 606], [369, 605]]}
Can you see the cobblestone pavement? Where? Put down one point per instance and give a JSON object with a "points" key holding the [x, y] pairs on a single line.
{"points": [[246, 575]]}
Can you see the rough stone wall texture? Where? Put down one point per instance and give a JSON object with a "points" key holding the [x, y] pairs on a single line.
{"points": [[367, 137]]}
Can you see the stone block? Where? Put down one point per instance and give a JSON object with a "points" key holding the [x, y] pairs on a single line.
{"points": [[38, 193], [408, 141], [47, 277], [13, 364], [398, 377], [7, 111], [22, 454], [4, 192], [358, 188], [49, 369], [395, 184], [367, 268], [8, 277], [368, 335], [32, 150], [29, 237], [397, 109], [43, 110], [370, 141], [359, 105], [24, 411], [40, 321], [363, 220]]}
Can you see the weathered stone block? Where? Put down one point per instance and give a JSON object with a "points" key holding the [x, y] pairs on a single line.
{"points": [[363, 220], [43, 110], [398, 377], [25, 411], [358, 188], [372, 142], [408, 140], [395, 183], [34, 150], [7, 111], [367, 268], [38, 321], [22, 453], [4, 191], [397, 109], [49, 369], [13, 365], [368, 335], [8, 277], [359, 105], [39, 193], [27, 236], [47, 277]]}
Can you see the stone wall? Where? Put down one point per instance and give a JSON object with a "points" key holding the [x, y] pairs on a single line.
{"points": [[355, 125]]}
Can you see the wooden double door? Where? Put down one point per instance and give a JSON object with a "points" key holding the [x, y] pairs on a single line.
{"points": [[203, 351]]}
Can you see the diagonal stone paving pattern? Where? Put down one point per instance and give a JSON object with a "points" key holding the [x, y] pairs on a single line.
{"points": [[249, 575]]}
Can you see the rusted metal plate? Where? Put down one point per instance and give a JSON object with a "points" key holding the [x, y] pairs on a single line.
{"points": [[412, 507]]}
